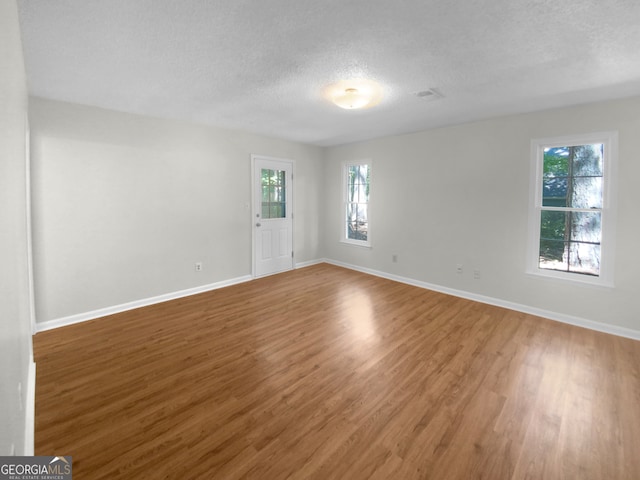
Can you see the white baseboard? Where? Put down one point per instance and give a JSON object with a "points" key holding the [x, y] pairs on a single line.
{"points": [[102, 312], [83, 317], [539, 312], [310, 262], [559, 317], [30, 411]]}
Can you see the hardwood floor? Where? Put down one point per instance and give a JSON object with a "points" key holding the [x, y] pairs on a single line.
{"points": [[327, 373]]}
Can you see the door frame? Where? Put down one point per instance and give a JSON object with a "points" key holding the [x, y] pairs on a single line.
{"points": [[253, 212]]}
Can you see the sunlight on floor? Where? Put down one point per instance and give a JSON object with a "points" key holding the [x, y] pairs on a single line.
{"points": [[359, 315]]}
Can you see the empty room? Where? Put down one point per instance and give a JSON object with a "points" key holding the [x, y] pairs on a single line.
{"points": [[319, 239]]}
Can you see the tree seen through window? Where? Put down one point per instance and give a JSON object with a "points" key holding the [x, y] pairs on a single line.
{"points": [[571, 213]]}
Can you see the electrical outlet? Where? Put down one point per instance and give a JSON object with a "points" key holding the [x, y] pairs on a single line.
{"points": [[476, 273], [394, 258], [459, 268], [198, 266]]}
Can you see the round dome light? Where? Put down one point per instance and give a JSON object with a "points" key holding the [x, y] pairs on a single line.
{"points": [[351, 98]]}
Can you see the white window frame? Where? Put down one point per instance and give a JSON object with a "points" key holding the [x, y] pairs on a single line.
{"points": [[343, 217], [608, 211]]}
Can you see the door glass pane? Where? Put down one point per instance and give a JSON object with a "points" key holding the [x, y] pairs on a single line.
{"points": [[273, 193]]}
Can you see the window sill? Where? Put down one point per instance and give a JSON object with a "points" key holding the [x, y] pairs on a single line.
{"points": [[572, 278], [356, 243]]}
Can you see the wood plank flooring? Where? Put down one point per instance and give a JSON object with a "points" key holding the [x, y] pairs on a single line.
{"points": [[327, 373]]}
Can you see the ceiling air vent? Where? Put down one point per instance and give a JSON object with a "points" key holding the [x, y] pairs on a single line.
{"points": [[429, 95]]}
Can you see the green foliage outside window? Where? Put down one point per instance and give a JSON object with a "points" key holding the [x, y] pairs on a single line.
{"points": [[571, 203]]}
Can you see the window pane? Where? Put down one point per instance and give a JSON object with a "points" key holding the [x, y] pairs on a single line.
{"points": [[356, 205], [572, 189], [554, 177], [352, 231], [552, 254], [351, 212], [587, 159], [585, 226], [357, 231], [554, 191], [572, 176], [350, 193], [361, 221], [362, 212], [575, 257], [553, 225], [587, 192], [363, 230], [584, 258], [555, 162], [364, 174], [570, 241], [363, 194], [352, 174], [571, 226]]}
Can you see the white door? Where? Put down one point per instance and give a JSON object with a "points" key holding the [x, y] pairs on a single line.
{"points": [[272, 215]]}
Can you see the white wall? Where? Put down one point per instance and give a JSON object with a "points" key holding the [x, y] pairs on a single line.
{"points": [[15, 326], [461, 194], [124, 205]]}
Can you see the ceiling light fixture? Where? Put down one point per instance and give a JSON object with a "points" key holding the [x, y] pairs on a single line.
{"points": [[354, 93], [351, 99]]}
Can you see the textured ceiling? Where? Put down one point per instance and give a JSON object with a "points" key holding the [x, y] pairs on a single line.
{"points": [[261, 66]]}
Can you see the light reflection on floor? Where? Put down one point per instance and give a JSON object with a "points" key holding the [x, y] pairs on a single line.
{"points": [[358, 314]]}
